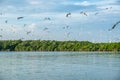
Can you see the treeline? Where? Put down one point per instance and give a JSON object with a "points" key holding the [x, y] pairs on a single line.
{"points": [[51, 45]]}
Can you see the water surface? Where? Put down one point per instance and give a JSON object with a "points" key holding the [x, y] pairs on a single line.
{"points": [[59, 66]]}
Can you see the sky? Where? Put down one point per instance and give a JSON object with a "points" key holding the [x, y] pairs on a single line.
{"points": [[90, 20]]}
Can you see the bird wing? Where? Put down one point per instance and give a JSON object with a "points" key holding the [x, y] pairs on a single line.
{"points": [[19, 18], [114, 25]]}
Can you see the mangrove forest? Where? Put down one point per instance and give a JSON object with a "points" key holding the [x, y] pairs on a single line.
{"points": [[52, 45]]}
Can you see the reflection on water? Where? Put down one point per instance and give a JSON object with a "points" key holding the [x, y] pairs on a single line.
{"points": [[59, 66]]}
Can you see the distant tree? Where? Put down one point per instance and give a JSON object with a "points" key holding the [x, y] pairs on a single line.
{"points": [[52, 45]]}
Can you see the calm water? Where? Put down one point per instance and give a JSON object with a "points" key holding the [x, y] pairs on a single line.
{"points": [[59, 66]]}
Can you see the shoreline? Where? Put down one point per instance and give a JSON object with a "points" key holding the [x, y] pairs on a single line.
{"points": [[67, 51]]}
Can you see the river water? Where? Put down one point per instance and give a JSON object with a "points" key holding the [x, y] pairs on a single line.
{"points": [[59, 66]]}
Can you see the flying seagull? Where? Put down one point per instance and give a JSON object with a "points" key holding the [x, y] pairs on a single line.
{"points": [[68, 14], [19, 18], [25, 25], [6, 21], [96, 13], [28, 32], [1, 29], [0, 35], [45, 29], [84, 13], [0, 13], [108, 8], [67, 27], [114, 25], [47, 18], [63, 27]]}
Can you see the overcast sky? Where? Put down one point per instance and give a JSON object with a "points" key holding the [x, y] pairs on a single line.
{"points": [[101, 16]]}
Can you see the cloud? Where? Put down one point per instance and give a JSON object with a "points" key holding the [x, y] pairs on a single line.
{"points": [[32, 27], [84, 3], [33, 2], [80, 3], [89, 3]]}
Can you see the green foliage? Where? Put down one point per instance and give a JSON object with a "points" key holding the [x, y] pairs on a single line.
{"points": [[51, 45]]}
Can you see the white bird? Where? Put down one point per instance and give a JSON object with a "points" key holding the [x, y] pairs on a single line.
{"points": [[45, 29], [0, 35], [68, 14], [47, 18], [84, 13], [28, 32]]}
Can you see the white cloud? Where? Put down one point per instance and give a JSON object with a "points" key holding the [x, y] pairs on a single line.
{"points": [[88, 3], [33, 2], [32, 27], [84, 3]]}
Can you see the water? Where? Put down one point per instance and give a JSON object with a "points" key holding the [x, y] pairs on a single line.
{"points": [[59, 66]]}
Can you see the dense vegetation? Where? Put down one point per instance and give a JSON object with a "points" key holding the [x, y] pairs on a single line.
{"points": [[48, 45]]}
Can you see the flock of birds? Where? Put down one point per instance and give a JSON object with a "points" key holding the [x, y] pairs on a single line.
{"points": [[84, 13], [66, 27]]}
